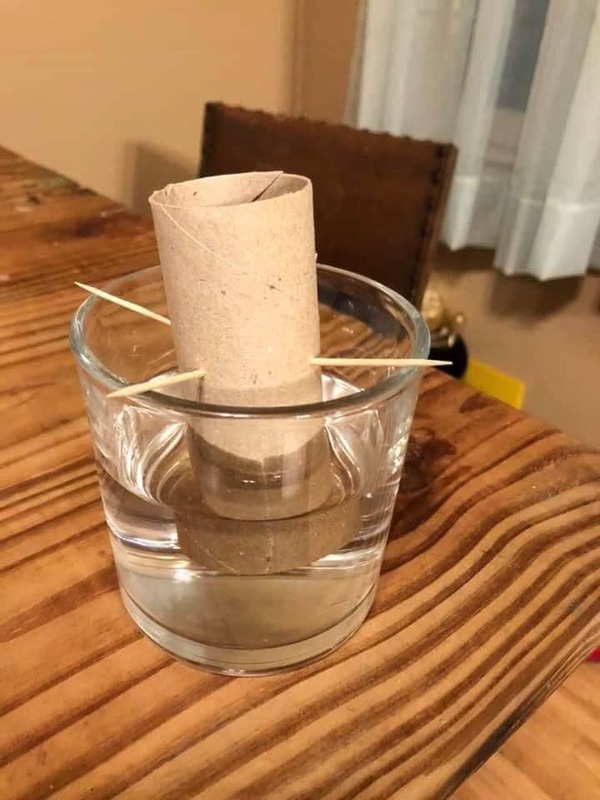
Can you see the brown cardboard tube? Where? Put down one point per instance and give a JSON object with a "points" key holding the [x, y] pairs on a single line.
{"points": [[238, 260]]}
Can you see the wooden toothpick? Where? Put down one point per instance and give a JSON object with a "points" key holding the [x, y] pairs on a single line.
{"points": [[145, 312], [318, 361], [157, 383], [321, 361]]}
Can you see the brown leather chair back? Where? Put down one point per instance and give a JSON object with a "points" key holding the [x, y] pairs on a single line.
{"points": [[378, 198]]}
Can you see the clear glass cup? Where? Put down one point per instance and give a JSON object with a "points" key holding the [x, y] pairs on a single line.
{"points": [[239, 565]]}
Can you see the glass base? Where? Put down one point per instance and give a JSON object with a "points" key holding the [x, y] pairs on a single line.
{"points": [[255, 662]]}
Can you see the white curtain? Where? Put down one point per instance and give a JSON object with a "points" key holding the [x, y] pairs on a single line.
{"points": [[515, 84]]}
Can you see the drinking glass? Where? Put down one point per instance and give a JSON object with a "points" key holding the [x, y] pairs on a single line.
{"points": [[248, 567]]}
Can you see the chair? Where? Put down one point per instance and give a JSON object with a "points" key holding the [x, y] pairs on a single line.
{"points": [[378, 198]]}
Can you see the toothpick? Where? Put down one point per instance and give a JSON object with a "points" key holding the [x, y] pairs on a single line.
{"points": [[320, 361], [169, 380], [145, 312], [157, 383]]}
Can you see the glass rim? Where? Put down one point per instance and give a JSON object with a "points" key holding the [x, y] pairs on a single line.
{"points": [[391, 385]]}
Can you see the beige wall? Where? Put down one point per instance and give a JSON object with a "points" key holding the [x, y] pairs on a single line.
{"points": [[325, 40], [111, 92]]}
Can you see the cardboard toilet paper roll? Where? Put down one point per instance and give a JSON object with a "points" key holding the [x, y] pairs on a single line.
{"points": [[238, 260]]}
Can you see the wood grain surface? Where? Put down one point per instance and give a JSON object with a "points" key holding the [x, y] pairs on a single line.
{"points": [[489, 596], [555, 755]]}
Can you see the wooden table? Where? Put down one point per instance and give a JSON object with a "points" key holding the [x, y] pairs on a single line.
{"points": [[490, 594]]}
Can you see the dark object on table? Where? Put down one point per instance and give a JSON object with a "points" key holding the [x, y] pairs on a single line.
{"points": [[457, 354], [446, 343], [379, 199]]}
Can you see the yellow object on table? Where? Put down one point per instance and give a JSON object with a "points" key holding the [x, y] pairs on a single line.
{"points": [[497, 384]]}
